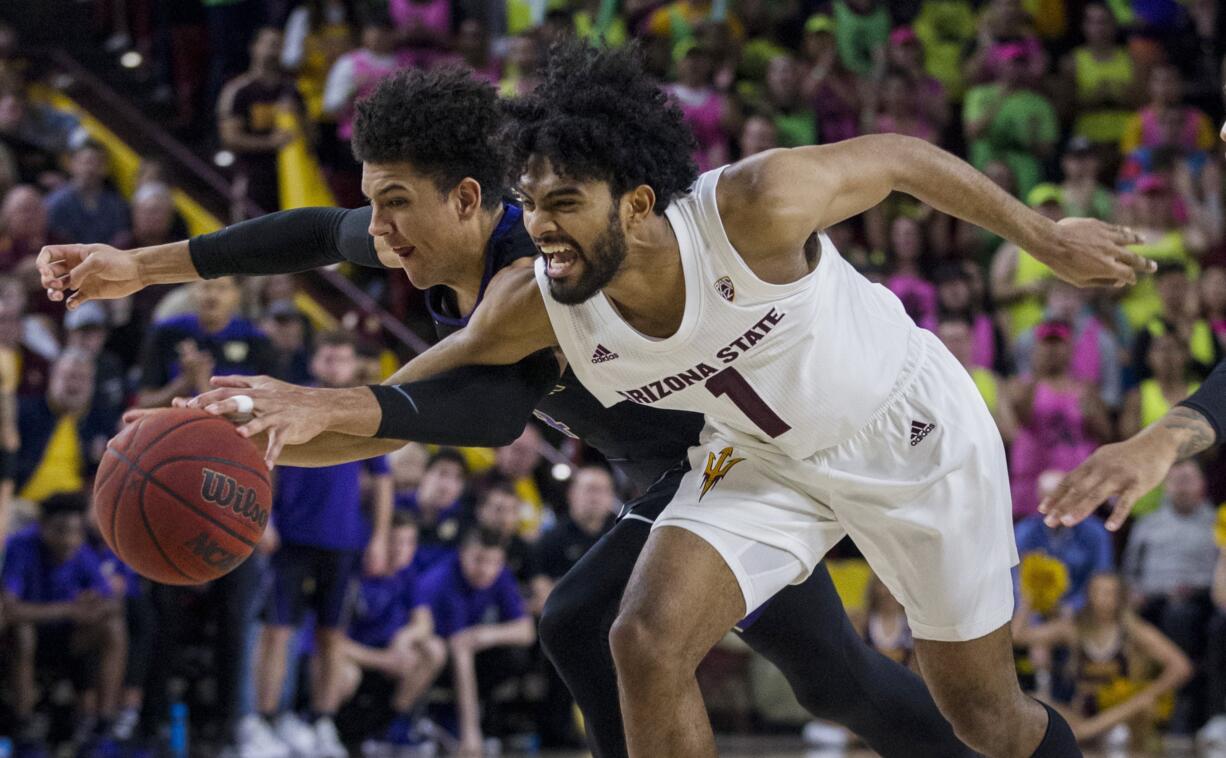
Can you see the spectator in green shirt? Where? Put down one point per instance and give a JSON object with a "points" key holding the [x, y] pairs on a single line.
{"points": [[1006, 121], [861, 27]]}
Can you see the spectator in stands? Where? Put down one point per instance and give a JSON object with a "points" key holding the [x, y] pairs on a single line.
{"points": [[885, 625], [478, 611], [1110, 649], [707, 111], [358, 71], [1008, 120], [893, 105], [392, 632], [499, 511], [946, 28], [906, 279], [421, 24], [1081, 194], [183, 352], [408, 466], [86, 329], [1003, 25], [833, 90], [1195, 130], [23, 228], [62, 618], [957, 334], [1213, 734], [1169, 562], [63, 433], [906, 54], [795, 119], [247, 122], [1099, 81], [676, 21], [86, 209], [1096, 353], [317, 33], [521, 72], [758, 134], [287, 331], [326, 542], [436, 506], [1060, 418], [1178, 315], [1084, 549], [1019, 282], [30, 364], [10, 438], [517, 464], [862, 29], [1213, 299], [472, 47], [959, 291]]}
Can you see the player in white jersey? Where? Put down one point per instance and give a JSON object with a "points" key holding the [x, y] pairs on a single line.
{"points": [[829, 412]]}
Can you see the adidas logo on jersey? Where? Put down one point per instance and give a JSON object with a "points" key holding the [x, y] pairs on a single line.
{"points": [[920, 430], [603, 354]]}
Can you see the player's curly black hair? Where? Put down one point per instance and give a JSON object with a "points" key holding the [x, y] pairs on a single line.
{"points": [[598, 115], [444, 122]]}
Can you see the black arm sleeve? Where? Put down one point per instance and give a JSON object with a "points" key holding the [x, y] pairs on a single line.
{"points": [[477, 406], [286, 242], [1210, 401]]}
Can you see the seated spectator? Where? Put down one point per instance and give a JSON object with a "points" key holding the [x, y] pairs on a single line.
{"points": [[1166, 95], [182, 353], [591, 509], [946, 28], [906, 279], [521, 71], [1060, 418], [1019, 280], [392, 633], [247, 111], [1167, 157], [1085, 549], [862, 30], [518, 464], [86, 329], [894, 107], [906, 54], [1008, 120], [1081, 194], [478, 611], [885, 625], [1176, 315], [833, 90], [287, 332], [1099, 80], [64, 432], [956, 332], [1110, 651], [86, 209], [62, 619], [1096, 352], [758, 134], [29, 365], [326, 540], [707, 111], [1169, 561], [499, 511], [436, 506], [795, 119]]}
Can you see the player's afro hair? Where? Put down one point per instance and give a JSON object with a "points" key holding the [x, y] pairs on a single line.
{"points": [[597, 115], [444, 122]]}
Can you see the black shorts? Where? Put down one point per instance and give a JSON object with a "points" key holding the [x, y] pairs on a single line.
{"points": [[324, 580], [59, 653], [648, 506]]}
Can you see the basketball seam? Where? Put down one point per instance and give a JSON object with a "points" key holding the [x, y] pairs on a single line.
{"points": [[118, 492], [190, 506], [149, 445], [212, 459], [144, 517]]}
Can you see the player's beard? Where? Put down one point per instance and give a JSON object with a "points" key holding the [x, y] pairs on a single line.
{"points": [[608, 252]]}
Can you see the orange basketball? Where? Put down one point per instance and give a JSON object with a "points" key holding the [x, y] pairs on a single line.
{"points": [[181, 497]]}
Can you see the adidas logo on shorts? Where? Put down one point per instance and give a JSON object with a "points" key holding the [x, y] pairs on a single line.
{"points": [[603, 354], [920, 430]]}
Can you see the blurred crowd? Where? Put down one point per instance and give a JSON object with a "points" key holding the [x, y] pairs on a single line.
{"points": [[441, 558]]}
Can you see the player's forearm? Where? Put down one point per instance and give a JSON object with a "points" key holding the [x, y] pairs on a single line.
{"points": [[165, 264], [953, 186], [331, 449]]}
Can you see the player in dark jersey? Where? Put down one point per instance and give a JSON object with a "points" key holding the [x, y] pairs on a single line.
{"points": [[435, 174]]}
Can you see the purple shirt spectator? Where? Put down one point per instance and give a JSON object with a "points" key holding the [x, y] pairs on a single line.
{"points": [[31, 574], [322, 507], [457, 605]]}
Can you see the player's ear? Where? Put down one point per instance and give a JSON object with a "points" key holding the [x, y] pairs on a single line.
{"points": [[642, 200], [467, 195]]}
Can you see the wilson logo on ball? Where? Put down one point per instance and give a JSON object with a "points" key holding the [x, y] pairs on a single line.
{"points": [[224, 492]]}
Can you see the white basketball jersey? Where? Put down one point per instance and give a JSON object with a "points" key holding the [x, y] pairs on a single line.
{"points": [[800, 366]]}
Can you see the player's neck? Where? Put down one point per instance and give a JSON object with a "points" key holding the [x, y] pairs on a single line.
{"points": [[470, 268], [645, 289]]}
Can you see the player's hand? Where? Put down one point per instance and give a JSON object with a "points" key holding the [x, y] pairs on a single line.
{"points": [[87, 272], [1090, 253], [291, 415], [1124, 471]]}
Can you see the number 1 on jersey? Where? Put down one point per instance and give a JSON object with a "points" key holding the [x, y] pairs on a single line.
{"points": [[729, 382]]}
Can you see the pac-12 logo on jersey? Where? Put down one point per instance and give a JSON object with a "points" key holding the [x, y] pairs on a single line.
{"points": [[717, 468], [723, 286]]}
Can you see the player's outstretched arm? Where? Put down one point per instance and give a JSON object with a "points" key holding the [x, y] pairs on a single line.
{"points": [[1127, 470], [773, 201], [279, 243]]}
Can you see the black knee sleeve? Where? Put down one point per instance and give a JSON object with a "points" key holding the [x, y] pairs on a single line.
{"points": [[1058, 740]]}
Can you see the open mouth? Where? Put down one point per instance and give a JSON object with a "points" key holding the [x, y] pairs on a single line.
{"points": [[403, 252], [560, 259]]}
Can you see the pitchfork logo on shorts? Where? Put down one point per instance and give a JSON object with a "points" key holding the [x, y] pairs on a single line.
{"points": [[717, 468], [224, 492], [723, 286]]}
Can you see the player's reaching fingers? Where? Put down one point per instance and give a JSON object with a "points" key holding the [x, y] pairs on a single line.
{"points": [[1125, 235], [1123, 507], [136, 414], [1136, 261], [205, 399], [246, 382], [275, 443]]}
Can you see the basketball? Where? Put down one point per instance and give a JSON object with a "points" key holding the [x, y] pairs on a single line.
{"points": [[181, 497]]}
